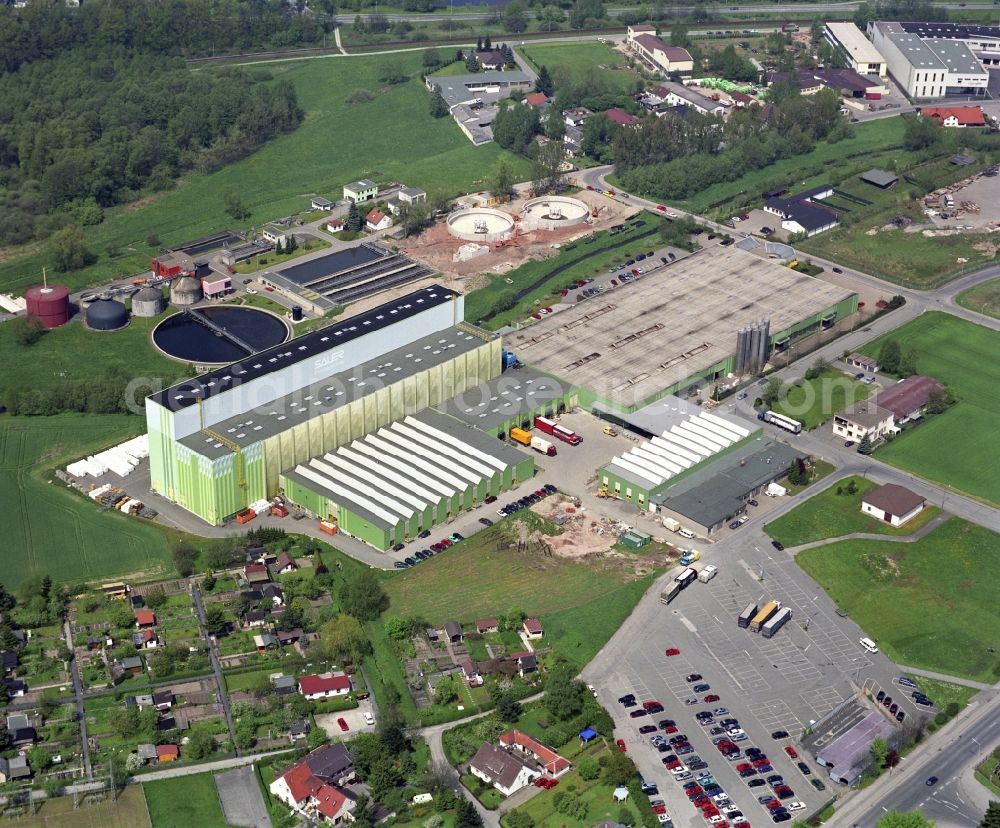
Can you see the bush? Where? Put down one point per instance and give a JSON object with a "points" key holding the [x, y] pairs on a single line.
{"points": [[941, 718], [589, 769], [359, 96], [952, 709]]}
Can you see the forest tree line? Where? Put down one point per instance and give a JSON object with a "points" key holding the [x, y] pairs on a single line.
{"points": [[87, 130]]}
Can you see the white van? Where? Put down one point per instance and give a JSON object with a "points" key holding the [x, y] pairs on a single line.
{"points": [[685, 533], [869, 645]]}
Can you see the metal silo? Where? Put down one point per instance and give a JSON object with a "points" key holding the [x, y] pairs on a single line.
{"points": [[49, 304]]}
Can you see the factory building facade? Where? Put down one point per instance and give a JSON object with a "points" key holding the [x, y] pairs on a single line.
{"points": [[223, 440]]}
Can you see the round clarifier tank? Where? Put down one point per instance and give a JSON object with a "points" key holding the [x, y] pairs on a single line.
{"points": [[185, 338], [480, 224], [49, 304], [553, 212]]}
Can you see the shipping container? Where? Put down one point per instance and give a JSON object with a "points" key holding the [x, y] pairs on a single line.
{"points": [[670, 591], [671, 524], [543, 446], [245, 516], [776, 623], [688, 576], [761, 618], [519, 435], [747, 615], [545, 424], [279, 510]]}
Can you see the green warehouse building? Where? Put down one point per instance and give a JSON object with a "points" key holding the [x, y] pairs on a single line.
{"points": [[224, 440]]}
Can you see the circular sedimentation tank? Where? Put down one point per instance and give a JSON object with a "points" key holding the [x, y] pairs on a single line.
{"points": [[553, 212], [481, 224], [184, 338], [106, 315], [49, 304]]}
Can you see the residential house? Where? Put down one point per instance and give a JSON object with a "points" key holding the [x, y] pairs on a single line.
{"points": [[958, 117], [800, 213], [470, 673], [907, 398], [335, 225], [299, 729], [167, 753], [284, 685], [254, 618], [276, 234], [132, 664], [526, 663], [377, 220], [256, 573], [163, 700], [538, 100], [325, 685], [487, 625], [264, 641], [533, 628], [453, 632], [288, 637], [576, 115], [358, 191], [507, 772], [14, 768], [412, 195], [15, 687], [146, 752], [490, 60], [552, 762], [643, 41], [285, 564], [274, 592], [20, 730], [313, 788], [862, 363], [320, 203], [145, 639], [10, 661], [621, 117], [145, 618], [863, 418], [674, 95], [892, 504]]}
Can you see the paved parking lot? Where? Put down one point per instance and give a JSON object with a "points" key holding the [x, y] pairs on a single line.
{"points": [[810, 667]]}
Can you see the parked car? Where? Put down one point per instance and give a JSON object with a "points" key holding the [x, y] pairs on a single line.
{"points": [[779, 734], [342, 724], [792, 753]]}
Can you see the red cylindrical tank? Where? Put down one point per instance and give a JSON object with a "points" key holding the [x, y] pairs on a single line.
{"points": [[50, 304]]}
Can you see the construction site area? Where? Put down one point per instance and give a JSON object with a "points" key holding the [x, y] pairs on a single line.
{"points": [[483, 236]]}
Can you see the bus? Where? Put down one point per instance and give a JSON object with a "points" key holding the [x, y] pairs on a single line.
{"points": [[769, 609], [776, 622], [781, 421], [671, 591], [688, 576], [747, 615]]}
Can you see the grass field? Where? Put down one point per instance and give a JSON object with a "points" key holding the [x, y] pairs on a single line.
{"points": [[578, 62], [984, 298], [185, 800], [948, 448], [55, 531], [485, 576], [870, 139], [72, 352], [832, 515], [595, 258], [129, 811], [943, 693], [813, 402], [927, 603], [985, 773], [335, 144]]}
